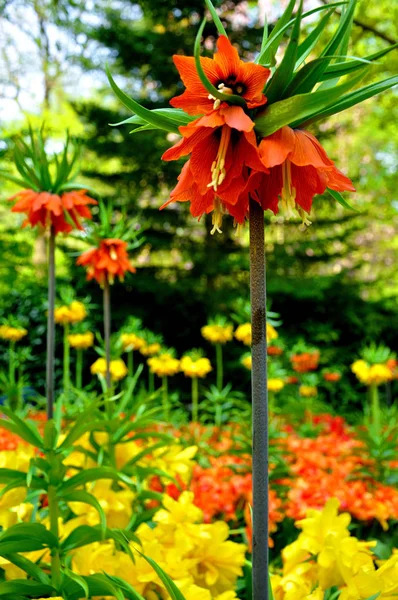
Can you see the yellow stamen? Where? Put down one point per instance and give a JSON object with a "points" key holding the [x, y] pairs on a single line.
{"points": [[218, 170], [224, 89], [216, 217], [113, 254], [288, 194], [305, 220]]}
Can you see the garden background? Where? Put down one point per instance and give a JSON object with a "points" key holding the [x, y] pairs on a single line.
{"points": [[334, 285]]}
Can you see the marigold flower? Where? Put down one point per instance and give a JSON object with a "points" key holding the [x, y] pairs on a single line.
{"points": [[222, 143], [62, 212], [74, 313], [12, 334], [107, 261], [164, 365], [117, 368], [308, 391], [217, 334], [195, 368], [275, 384], [131, 341], [81, 341], [299, 169]]}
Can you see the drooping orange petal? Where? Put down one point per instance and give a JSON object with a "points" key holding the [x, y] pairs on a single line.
{"points": [[195, 99], [268, 188], [307, 182], [308, 151], [236, 118], [336, 180], [277, 147], [186, 145]]}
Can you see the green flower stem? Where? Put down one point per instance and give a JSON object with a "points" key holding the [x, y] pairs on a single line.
{"points": [[107, 336], [271, 402], [66, 358], [165, 399], [11, 362], [195, 399], [50, 326], [79, 368], [375, 406], [151, 381], [130, 363], [220, 370], [259, 403], [55, 557]]}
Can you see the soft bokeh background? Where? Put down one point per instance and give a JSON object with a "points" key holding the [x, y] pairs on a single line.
{"points": [[334, 285]]}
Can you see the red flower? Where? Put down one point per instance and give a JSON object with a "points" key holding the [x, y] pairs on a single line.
{"points": [[306, 361], [110, 259], [299, 169], [222, 144], [227, 73], [53, 210]]}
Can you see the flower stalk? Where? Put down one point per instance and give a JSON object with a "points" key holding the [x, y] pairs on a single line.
{"points": [[66, 359], [259, 402], [50, 326], [79, 368], [130, 363], [375, 406], [11, 362], [195, 399], [165, 399], [55, 558], [107, 332], [220, 369]]}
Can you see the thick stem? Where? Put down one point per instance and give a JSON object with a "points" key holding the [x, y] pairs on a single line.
{"points": [[165, 399], [55, 558], [195, 400], [259, 402], [66, 359], [107, 331], [50, 326], [220, 370], [375, 406], [79, 368]]}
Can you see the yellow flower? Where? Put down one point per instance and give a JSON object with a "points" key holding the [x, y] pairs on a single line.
{"points": [[217, 334], [361, 369], [131, 341], [164, 365], [13, 508], [12, 334], [247, 361], [308, 391], [117, 505], [244, 333], [74, 313], [177, 512], [174, 460], [379, 374], [150, 349], [296, 585], [81, 341], [275, 384], [117, 368], [195, 368]]}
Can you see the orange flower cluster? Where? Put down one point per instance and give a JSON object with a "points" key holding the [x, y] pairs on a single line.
{"points": [[108, 261], [8, 440], [306, 361], [61, 212]]}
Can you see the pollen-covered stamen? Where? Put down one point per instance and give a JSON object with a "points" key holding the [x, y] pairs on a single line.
{"points": [[288, 194], [112, 254], [217, 216], [218, 170]]}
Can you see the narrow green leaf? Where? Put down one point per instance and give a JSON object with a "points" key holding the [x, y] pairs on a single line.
{"points": [[22, 182], [300, 107], [81, 582], [24, 428], [216, 18], [29, 532], [348, 100], [128, 590], [87, 498], [343, 68], [25, 587], [282, 76], [306, 47], [230, 98], [339, 198], [265, 33], [99, 585], [94, 474], [29, 567], [281, 25], [168, 583], [149, 116], [174, 114]]}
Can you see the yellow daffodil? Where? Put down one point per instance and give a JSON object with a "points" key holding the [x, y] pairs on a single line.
{"points": [[217, 334], [81, 341], [117, 368], [195, 368], [12, 334], [164, 365]]}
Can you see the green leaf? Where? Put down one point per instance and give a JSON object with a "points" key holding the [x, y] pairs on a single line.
{"points": [[87, 498], [216, 18], [25, 587], [85, 422], [374, 597], [149, 116], [340, 69], [26, 532], [128, 590], [299, 107], [29, 567], [174, 114], [89, 475], [306, 47], [284, 72], [348, 100], [22, 428], [81, 582], [50, 435], [230, 98], [99, 585], [339, 198], [168, 583], [281, 25]]}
